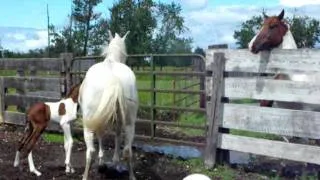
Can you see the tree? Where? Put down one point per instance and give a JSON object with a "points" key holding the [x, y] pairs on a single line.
{"points": [[248, 30], [305, 30], [200, 51], [83, 15]]}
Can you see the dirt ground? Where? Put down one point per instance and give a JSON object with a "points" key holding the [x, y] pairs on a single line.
{"points": [[49, 160]]}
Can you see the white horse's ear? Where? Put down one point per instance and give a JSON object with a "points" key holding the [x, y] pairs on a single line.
{"points": [[117, 35], [110, 35], [125, 36]]}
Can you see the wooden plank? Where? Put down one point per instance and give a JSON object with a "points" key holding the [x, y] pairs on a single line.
{"points": [[272, 120], [284, 60], [1, 100], [215, 110], [16, 118], [277, 149], [45, 64], [269, 89], [25, 100], [33, 83]]}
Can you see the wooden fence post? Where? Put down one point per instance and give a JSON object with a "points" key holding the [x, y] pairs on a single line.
{"points": [[215, 110], [66, 71], [1, 100], [23, 90]]}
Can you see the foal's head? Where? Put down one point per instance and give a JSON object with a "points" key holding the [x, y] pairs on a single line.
{"points": [[271, 34], [116, 50], [74, 92]]}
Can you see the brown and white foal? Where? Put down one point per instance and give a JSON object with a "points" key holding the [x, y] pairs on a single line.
{"points": [[38, 117]]}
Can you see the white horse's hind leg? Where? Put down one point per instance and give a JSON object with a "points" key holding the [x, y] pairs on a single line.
{"points": [[127, 151], [130, 131], [101, 151], [31, 165], [68, 143], [88, 137], [117, 142]]}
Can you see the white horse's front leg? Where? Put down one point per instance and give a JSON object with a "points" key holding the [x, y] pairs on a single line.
{"points": [[68, 143], [31, 165], [88, 137]]}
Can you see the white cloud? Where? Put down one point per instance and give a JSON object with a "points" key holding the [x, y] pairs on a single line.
{"points": [[298, 3], [22, 39], [216, 25], [193, 4], [39, 42], [16, 36]]}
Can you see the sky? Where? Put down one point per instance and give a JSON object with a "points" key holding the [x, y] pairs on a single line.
{"points": [[23, 23]]}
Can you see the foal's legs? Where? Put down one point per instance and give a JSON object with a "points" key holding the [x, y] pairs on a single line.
{"points": [[88, 137], [31, 165], [68, 142], [27, 133]]}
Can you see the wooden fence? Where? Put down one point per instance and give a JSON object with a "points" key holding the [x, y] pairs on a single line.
{"points": [[49, 79], [36, 80], [221, 114], [295, 123]]}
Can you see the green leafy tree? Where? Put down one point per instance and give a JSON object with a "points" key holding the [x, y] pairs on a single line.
{"points": [[84, 17], [247, 31]]}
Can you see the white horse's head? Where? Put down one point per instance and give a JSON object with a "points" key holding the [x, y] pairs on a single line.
{"points": [[116, 49], [275, 33]]}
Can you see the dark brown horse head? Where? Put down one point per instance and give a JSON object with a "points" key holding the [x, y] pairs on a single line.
{"points": [[271, 34]]}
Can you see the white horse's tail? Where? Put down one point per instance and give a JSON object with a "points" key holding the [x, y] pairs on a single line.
{"points": [[112, 105]]}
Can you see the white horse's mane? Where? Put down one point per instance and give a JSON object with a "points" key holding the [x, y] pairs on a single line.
{"points": [[116, 44]]}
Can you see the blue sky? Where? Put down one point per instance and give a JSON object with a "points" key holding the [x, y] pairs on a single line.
{"points": [[23, 23]]}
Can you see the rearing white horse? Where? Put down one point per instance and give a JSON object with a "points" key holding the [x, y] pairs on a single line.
{"points": [[109, 99]]}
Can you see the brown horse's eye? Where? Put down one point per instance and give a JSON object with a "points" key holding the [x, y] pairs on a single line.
{"points": [[273, 26]]}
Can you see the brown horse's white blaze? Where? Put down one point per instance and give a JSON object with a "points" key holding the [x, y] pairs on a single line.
{"points": [[37, 119]]}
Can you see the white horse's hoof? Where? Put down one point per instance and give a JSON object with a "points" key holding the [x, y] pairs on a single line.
{"points": [[36, 172], [70, 170]]}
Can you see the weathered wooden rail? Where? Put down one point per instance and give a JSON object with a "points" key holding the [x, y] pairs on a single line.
{"points": [[54, 76], [294, 123], [46, 75]]}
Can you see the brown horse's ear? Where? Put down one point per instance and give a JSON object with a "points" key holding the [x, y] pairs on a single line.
{"points": [[280, 16], [264, 15]]}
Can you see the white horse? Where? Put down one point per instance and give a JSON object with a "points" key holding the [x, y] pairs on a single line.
{"points": [[270, 38], [108, 98]]}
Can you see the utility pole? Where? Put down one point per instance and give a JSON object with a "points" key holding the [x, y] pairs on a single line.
{"points": [[48, 30]]}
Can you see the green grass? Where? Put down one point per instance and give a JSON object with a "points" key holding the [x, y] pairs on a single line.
{"points": [[53, 137], [56, 137]]}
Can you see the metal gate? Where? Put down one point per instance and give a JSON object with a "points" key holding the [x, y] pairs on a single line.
{"points": [[171, 91]]}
